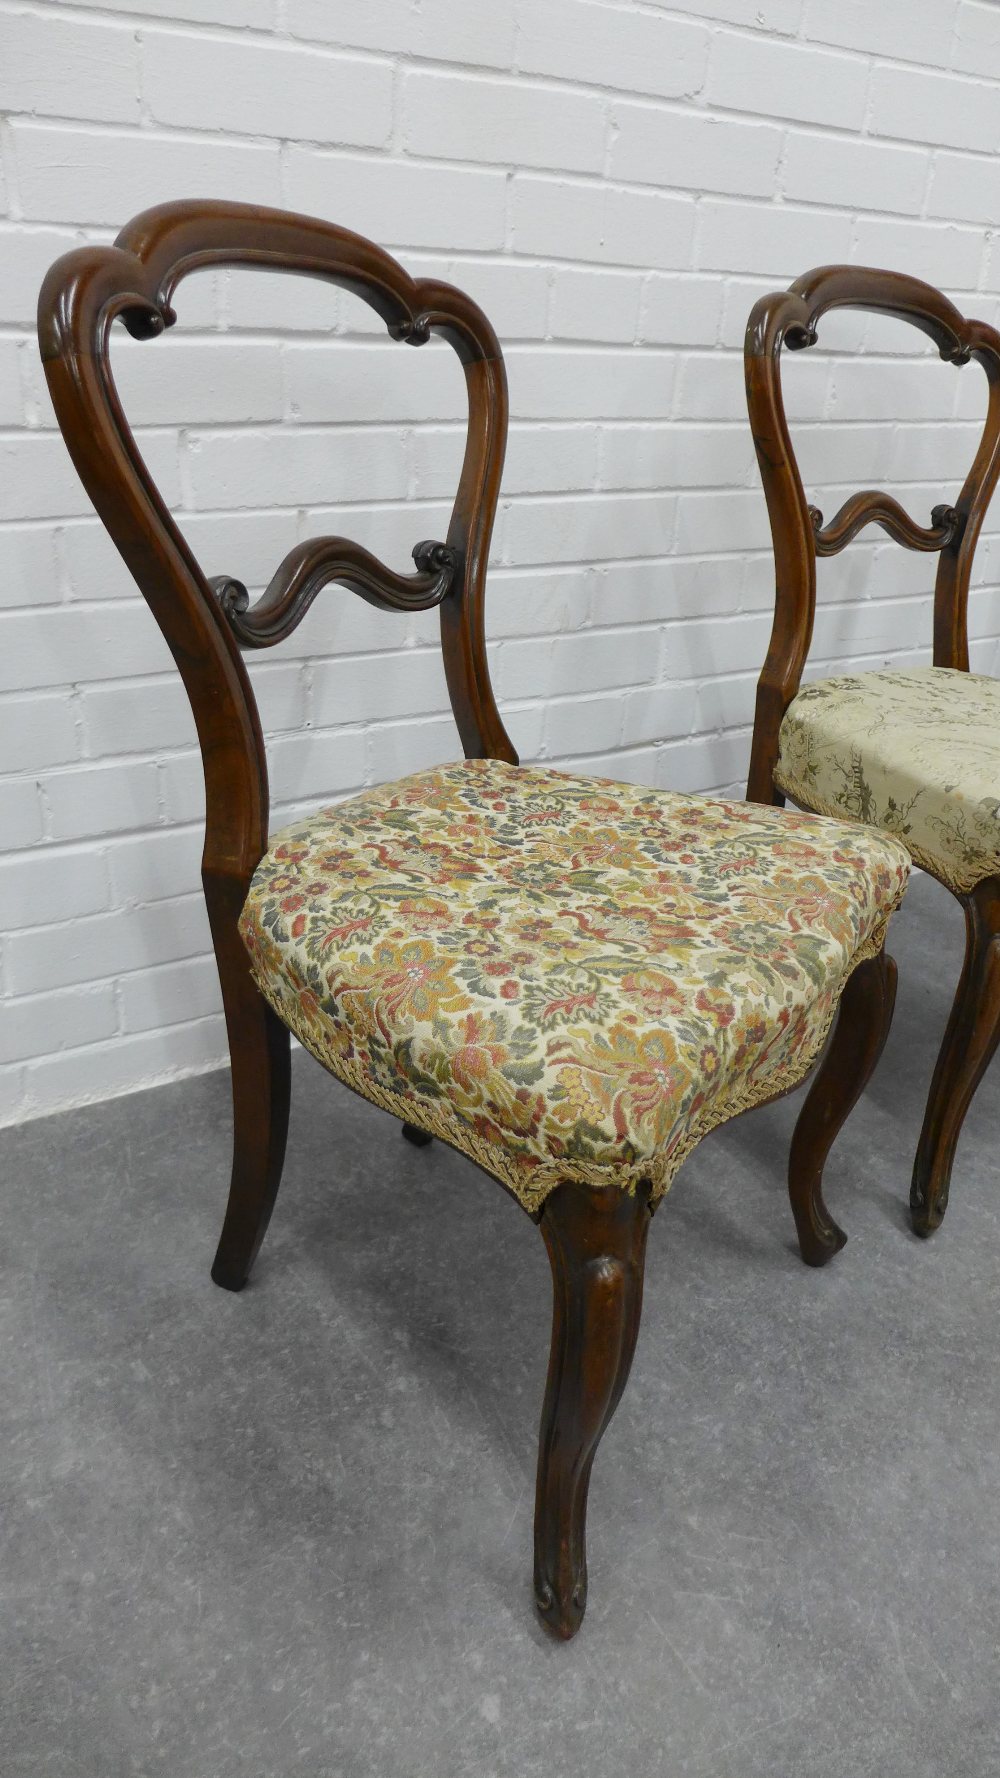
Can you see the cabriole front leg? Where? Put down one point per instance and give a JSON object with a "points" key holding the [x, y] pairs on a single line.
{"points": [[261, 1076], [596, 1241], [863, 1020]]}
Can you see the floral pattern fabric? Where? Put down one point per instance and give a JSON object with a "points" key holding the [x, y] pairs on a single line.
{"points": [[913, 750], [565, 977]]}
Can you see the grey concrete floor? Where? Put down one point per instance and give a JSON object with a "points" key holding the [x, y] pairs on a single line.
{"points": [[289, 1532]]}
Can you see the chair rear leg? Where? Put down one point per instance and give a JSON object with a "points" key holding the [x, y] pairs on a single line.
{"points": [[419, 1138], [863, 1021], [970, 1040], [261, 1072], [596, 1241]]}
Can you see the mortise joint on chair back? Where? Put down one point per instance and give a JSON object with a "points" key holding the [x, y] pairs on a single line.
{"points": [[205, 622], [789, 318]]}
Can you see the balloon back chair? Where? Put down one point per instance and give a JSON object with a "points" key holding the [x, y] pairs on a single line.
{"points": [[569, 980], [914, 751]]}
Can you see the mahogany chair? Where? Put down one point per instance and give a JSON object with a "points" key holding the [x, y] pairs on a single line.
{"points": [[912, 751], [570, 980]]}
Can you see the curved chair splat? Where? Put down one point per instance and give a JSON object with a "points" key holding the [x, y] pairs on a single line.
{"points": [[311, 566], [875, 508]]}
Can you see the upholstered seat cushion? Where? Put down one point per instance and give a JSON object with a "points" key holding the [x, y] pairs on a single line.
{"points": [[914, 750], [567, 978]]}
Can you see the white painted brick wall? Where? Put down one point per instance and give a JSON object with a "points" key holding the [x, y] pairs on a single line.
{"points": [[616, 181]]}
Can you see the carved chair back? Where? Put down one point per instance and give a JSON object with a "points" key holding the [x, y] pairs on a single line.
{"points": [[789, 318], [206, 622]]}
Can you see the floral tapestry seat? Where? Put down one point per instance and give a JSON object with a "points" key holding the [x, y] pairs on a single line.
{"points": [[915, 751], [566, 978]]}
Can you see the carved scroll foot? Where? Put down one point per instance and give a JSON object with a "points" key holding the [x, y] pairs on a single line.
{"points": [[419, 1138], [970, 1041], [596, 1241], [863, 1021]]}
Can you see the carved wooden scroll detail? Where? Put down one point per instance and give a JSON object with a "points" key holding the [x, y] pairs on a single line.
{"points": [[875, 508], [313, 565]]}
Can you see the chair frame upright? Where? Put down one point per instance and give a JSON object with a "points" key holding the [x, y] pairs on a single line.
{"points": [[790, 319], [595, 1236]]}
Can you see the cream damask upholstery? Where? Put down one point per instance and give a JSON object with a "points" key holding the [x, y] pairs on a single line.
{"points": [[566, 978], [915, 751]]}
